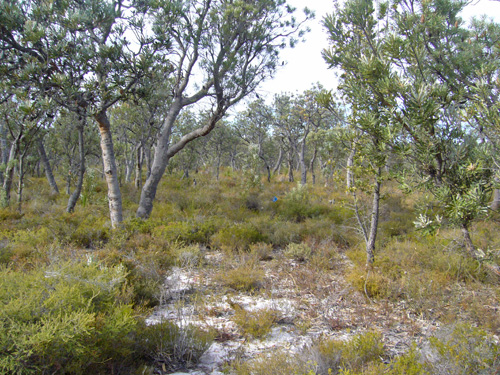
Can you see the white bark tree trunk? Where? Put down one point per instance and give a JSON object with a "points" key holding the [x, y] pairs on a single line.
{"points": [[110, 171]]}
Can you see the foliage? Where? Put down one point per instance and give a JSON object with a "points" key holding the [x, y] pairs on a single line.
{"points": [[237, 237], [172, 346], [73, 316], [257, 323], [244, 278]]}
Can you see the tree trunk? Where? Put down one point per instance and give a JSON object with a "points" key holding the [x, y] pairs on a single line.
{"points": [[21, 181], [278, 162], [370, 244], [495, 204], [302, 162], [81, 169], [138, 166], [290, 165], [164, 151], [311, 165], [9, 172], [47, 167], [350, 163], [110, 171]]}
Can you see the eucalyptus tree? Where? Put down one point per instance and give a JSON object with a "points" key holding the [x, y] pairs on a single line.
{"points": [[285, 129], [77, 53], [356, 33], [253, 127], [310, 117], [221, 51]]}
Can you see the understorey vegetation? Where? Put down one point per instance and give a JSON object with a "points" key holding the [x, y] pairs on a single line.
{"points": [[158, 215]]}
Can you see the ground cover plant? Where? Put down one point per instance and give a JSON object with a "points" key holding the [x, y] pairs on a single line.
{"points": [[91, 288]]}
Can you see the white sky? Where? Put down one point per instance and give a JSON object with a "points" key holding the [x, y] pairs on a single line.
{"points": [[304, 64]]}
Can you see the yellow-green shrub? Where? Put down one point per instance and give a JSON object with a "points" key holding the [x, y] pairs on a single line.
{"points": [[237, 237], [65, 318], [256, 324]]}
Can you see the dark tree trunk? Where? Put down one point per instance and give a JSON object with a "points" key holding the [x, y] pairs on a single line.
{"points": [[138, 166], [311, 165]]}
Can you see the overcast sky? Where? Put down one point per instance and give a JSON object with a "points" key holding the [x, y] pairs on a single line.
{"points": [[304, 64]]}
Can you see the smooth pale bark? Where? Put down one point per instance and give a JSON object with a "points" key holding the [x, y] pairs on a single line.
{"points": [[20, 183], [4, 150], [46, 166], [9, 171], [372, 236], [81, 169], [495, 204], [302, 161], [110, 170], [164, 151], [278, 162], [350, 163]]}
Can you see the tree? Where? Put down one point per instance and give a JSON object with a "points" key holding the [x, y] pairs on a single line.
{"points": [[229, 47], [356, 33]]}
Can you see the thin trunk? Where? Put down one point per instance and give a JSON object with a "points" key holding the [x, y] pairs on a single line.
{"points": [[311, 165], [302, 162], [110, 171], [20, 184], [350, 163], [185, 174], [278, 162], [495, 204], [4, 152], [370, 244], [218, 167], [9, 172], [138, 166], [47, 167], [147, 156], [290, 170], [81, 170]]}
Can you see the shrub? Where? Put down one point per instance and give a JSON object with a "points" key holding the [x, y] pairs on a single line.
{"points": [[173, 347], [186, 256], [237, 237], [350, 355], [261, 251], [277, 363], [186, 231], [244, 278], [73, 317], [256, 324], [298, 251], [463, 349]]}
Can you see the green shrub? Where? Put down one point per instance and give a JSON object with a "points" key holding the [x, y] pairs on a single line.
{"points": [[237, 237], [73, 318], [173, 347], [256, 324], [243, 278], [351, 355], [297, 206], [463, 349], [188, 232], [186, 256], [276, 363], [298, 251]]}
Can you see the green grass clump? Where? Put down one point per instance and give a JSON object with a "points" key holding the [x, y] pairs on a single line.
{"points": [[244, 278], [256, 324], [237, 237], [188, 232], [351, 355], [298, 251]]}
